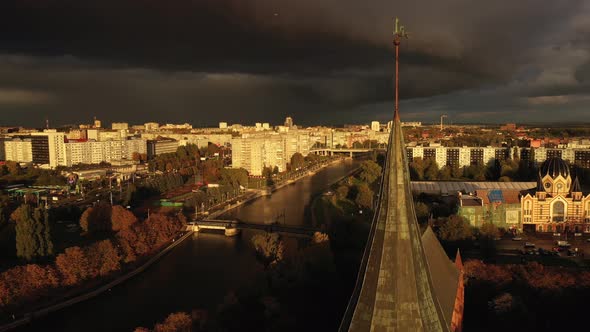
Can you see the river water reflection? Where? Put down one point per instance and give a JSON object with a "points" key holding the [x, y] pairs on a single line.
{"points": [[199, 272]]}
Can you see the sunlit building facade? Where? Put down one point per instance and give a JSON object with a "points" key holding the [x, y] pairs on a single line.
{"points": [[558, 204]]}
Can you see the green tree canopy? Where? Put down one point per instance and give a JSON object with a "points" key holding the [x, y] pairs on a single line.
{"points": [[364, 196], [370, 171], [422, 211], [342, 192], [234, 177], [33, 232], [297, 161], [456, 228]]}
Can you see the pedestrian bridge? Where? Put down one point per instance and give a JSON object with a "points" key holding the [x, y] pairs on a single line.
{"points": [[332, 151], [233, 227]]}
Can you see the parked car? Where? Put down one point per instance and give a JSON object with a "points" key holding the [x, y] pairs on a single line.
{"points": [[529, 245], [517, 238]]}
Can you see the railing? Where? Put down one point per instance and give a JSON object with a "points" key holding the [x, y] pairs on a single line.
{"points": [[349, 313]]}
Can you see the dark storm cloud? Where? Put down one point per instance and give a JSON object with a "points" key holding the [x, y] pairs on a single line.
{"points": [[316, 60]]}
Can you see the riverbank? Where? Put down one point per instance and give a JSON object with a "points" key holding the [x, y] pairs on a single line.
{"points": [[29, 317], [204, 271], [265, 192]]}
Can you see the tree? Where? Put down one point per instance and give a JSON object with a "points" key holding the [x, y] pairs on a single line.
{"points": [[342, 192], [13, 168], [297, 161], [234, 177], [445, 173], [489, 230], [33, 233], [96, 218], [129, 194], [422, 211], [102, 258], [26, 283], [319, 237], [431, 170], [121, 218], [176, 322], [269, 248], [73, 266], [364, 196], [417, 169], [370, 171], [456, 228]]}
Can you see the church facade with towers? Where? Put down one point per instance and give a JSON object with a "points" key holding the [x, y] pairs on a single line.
{"points": [[557, 205]]}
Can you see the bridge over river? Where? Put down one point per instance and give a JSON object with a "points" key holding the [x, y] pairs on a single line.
{"points": [[232, 227]]}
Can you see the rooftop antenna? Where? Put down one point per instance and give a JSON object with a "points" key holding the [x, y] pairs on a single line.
{"points": [[398, 34], [46, 122]]}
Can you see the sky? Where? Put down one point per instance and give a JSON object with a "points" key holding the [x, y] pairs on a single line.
{"points": [[320, 62]]}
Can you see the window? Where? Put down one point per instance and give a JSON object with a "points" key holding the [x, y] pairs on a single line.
{"points": [[558, 211], [527, 208]]}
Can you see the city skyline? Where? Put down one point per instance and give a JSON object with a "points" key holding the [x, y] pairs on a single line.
{"points": [[322, 63]]}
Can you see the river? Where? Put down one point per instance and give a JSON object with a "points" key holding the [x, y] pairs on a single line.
{"points": [[200, 272]]}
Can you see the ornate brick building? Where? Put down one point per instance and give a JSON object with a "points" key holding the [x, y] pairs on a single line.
{"points": [[558, 204]]}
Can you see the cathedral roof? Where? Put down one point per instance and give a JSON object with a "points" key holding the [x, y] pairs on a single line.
{"points": [[554, 167], [576, 186]]}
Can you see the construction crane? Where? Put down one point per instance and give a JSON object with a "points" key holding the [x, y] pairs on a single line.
{"points": [[441, 121]]}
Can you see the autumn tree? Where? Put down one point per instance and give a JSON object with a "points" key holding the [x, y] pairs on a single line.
{"points": [[143, 237], [33, 232], [369, 171], [103, 258], [73, 266], [96, 218], [456, 228], [121, 218], [176, 322], [26, 283], [297, 161]]}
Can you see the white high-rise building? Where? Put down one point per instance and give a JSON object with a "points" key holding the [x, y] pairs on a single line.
{"points": [[131, 146], [19, 150], [255, 153], [93, 152], [120, 126], [223, 125], [50, 146], [375, 126], [152, 126]]}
